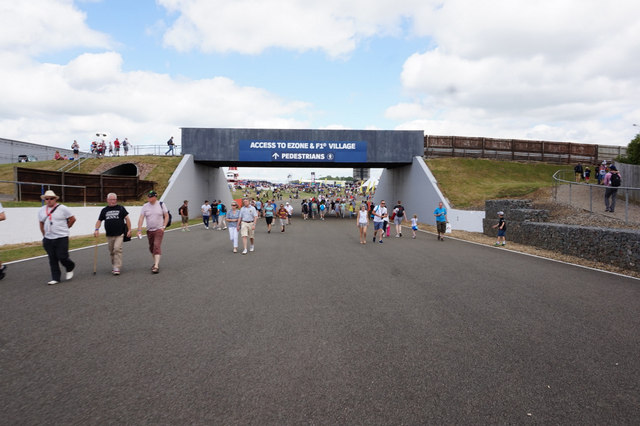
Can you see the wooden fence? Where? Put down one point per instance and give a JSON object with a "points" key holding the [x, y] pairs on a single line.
{"points": [[518, 150], [128, 188]]}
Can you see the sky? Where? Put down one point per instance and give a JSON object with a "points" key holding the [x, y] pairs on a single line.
{"points": [[556, 70]]}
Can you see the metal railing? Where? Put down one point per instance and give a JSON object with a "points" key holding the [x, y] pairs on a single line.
{"points": [[582, 194], [44, 187], [145, 150], [70, 165]]}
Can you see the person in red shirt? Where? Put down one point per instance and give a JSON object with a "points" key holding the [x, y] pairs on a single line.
{"points": [[116, 147]]}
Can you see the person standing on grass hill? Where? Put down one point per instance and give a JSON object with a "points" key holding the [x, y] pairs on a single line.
{"points": [[116, 226], [578, 171], [441, 220], [502, 230], [55, 220], [398, 218], [3, 268], [157, 217], [183, 211], [379, 213], [362, 222], [612, 181]]}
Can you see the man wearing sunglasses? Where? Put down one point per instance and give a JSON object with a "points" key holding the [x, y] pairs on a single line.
{"points": [[55, 220]]}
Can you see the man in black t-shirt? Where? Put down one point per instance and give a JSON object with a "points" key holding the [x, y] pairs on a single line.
{"points": [[116, 224]]}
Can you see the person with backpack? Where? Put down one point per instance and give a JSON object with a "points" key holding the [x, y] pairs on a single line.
{"points": [[398, 218], [183, 211], [578, 171], [171, 145], [222, 215], [612, 181]]}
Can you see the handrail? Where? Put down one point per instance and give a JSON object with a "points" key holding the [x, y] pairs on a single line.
{"points": [[70, 165], [562, 180]]}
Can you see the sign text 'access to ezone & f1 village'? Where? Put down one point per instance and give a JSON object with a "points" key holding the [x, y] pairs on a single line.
{"points": [[301, 151]]}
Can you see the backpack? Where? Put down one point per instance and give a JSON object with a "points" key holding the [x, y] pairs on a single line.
{"points": [[615, 179], [169, 213], [222, 208], [400, 212]]}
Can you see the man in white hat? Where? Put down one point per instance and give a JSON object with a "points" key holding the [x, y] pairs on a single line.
{"points": [[55, 220]]}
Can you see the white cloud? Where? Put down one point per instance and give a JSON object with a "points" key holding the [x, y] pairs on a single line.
{"points": [[252, 26], [38, 26], [57, 103], [556, 70]]}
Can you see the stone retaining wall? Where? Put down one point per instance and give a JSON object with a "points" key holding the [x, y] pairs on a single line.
{"points": [[619, 247]]}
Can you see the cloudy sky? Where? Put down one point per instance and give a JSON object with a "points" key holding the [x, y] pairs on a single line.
{"points": [[561, 70]]}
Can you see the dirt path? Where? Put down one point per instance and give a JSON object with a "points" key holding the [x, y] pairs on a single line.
{"points": [[586, 196]]}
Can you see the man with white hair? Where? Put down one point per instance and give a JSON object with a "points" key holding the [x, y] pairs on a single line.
{"points": [[55, 220], [116, 225]]}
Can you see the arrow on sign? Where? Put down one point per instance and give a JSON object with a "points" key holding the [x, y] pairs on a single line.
{"points": [[275, 155]]}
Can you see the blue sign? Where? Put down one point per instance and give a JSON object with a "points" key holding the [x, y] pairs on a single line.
{"points": [[303, 151]]}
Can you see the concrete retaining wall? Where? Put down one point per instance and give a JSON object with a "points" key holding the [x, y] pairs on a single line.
{"points": [[619, 247], [196, 183]]}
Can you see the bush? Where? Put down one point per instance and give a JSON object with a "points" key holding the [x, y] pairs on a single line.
{"points": [[633, 152]]}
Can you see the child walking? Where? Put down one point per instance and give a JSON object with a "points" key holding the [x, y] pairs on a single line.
{"points": [[414, 225], [502, 230]]}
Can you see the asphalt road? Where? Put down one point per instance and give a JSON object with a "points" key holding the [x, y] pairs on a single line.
{"points": [[314, 328]]}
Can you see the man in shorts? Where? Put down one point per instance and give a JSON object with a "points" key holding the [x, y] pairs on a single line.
{"points": [[379, 213], [398, 217], [157, 217], [248, 220], [441, 220], [183, 211]]}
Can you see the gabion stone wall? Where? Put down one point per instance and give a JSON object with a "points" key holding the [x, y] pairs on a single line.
{"points": [[619, 247]]}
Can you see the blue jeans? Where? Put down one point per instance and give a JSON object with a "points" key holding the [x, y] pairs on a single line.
{"points": [[205, 220], [170, 150]]}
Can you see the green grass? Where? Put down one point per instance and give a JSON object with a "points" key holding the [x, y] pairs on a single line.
{"points": [[467, 183], [162, 169]]}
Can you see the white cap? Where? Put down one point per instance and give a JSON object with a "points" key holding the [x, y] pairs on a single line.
{"points": [[500, 213]]}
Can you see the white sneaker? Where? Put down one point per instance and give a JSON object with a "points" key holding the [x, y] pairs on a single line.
{"points": [[69, 275], [53, 282], [251, 248], [244, 251]]}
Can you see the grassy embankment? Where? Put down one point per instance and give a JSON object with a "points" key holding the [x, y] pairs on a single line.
{"points": [[161, 169], [465, 182]]}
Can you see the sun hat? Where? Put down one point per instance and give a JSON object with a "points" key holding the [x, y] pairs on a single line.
{"points": [[49, 193]]}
